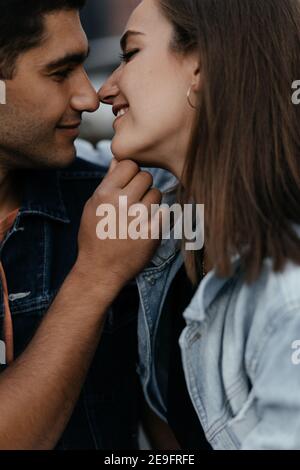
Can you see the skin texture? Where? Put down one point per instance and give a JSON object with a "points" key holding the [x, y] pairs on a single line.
{"points": [[39, 390], [153, 81]]}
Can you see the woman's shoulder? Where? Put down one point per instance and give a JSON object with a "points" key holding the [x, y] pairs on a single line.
{"points": [[273, 293], [265, 310], [278, 290]]}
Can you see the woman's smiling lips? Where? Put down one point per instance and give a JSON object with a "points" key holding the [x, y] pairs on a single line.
{"points": [[119, 111]]}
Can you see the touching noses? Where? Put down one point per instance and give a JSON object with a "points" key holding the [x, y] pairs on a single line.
{"points": [[85, 99], [109, 91]]}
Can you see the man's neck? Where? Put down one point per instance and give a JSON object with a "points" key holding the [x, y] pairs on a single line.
{"points": [[9, 197]]}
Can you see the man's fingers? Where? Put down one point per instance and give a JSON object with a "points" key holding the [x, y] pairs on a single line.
{"points": [[153, 196], [113, 166], [121, 174], [138, 187]]}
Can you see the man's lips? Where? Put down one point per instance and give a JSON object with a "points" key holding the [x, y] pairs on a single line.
{"points": [[74, 125], [69, 130]]}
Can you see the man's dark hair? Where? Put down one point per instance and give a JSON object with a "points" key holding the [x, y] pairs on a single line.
{"points": [[22, 27]]}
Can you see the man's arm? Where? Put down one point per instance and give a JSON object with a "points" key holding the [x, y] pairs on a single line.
{"points": [[39, 390]]}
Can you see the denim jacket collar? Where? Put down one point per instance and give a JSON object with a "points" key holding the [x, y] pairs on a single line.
{"points": [[169, 247], [208, 290], [42, 195]]}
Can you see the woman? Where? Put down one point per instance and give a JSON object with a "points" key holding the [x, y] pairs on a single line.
{"points": [[204, 91]]}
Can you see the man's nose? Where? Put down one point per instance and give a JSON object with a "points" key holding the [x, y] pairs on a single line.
{"points": [[109, 91], [85, 99]]}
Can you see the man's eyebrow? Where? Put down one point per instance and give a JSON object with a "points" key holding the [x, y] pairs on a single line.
{"points": [[70, 58], [126, 36]]}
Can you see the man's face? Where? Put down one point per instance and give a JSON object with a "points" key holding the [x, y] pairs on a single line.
{"points": [[46, 98]]}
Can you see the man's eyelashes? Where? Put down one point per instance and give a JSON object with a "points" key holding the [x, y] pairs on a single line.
{"points": [[62, 74]]}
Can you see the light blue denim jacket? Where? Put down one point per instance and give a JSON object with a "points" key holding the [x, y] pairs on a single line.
{"points": [[239, 353]]}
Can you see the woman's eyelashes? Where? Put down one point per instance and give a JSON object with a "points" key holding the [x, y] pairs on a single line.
{"points": [[126, 56]]}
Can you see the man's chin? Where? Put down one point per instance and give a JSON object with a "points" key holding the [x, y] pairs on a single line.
{"points": [[62, 156], [56, 160], [64, 160]]}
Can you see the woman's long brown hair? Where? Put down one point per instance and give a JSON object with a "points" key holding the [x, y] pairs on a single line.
{"points": [[244, 158]]}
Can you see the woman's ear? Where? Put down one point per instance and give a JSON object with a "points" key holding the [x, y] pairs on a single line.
{"points": [[196, 79], [193, 68]]}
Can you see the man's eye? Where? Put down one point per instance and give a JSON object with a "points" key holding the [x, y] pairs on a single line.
{"points": [[62, 74], [126, 56]]}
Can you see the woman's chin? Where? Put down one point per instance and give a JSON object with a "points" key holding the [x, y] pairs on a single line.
{"points": [[120, 157], [118, 152], [124, 154], [121, 153]]}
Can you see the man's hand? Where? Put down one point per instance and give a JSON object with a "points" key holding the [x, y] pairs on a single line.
{"points": [[118, 260]]}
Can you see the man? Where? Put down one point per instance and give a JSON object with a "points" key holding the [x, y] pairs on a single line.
{"points": [[61, 387]]}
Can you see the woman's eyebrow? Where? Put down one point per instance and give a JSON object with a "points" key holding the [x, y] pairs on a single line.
{"points": [[127, 35]]}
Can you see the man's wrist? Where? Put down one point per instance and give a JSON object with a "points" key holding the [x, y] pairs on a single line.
{"points": [[100, 286]]}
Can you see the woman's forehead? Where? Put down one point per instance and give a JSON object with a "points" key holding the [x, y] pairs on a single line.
{"points": [[146, 17]]}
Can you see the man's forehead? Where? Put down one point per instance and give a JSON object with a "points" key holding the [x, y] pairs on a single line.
{"points": [[61, 22], [64, 36], [63, 30]]}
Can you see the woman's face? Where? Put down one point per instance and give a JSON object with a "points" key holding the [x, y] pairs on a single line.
{"points": [[148, 93]]}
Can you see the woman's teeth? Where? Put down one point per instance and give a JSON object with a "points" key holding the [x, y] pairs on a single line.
{"points": [[122, 112]]}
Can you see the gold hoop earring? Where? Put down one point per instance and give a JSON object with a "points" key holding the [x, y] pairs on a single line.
{"points": [[189, 98]]}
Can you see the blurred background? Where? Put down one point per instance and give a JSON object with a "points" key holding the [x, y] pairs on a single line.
{"points": [[104, 22]]}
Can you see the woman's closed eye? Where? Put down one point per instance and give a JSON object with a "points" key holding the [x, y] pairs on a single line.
{"points": [[126, 56]]}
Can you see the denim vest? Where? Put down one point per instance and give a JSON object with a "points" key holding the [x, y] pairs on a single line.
{"points": [[37, 255], [153, 285], [240, 352]]}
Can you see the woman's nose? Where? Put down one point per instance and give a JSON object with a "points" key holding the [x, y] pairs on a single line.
{"points": [[108, 91]]}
